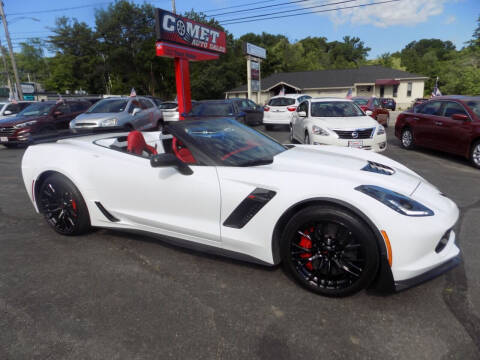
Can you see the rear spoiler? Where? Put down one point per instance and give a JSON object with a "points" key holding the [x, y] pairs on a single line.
{"points": [[56, 135]]}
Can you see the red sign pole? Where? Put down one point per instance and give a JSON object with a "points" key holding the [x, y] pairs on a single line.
{"points": [[182, 77]]}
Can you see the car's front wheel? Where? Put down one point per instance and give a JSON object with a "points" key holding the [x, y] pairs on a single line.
{"points": [[407, 139], [475, 155], [329, 251], [63, 206]]}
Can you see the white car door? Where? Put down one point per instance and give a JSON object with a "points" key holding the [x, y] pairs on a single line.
{"points": [[159, 199], [300, 122]]}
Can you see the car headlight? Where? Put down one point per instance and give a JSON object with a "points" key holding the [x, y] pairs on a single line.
{"points": [[398, 202], [25, 124], [317, 130], [380, 130], [71, 125], [109, 122]]}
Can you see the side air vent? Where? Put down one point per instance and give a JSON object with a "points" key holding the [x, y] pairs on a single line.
{"points": [[378, 168], [105, 212], [249, 207]]}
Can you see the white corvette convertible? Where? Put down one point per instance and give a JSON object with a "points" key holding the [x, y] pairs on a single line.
{"points": [[339, 219]]}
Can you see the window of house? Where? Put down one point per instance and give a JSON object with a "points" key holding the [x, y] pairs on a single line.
{"points": [[409, 89], [395, 90]]}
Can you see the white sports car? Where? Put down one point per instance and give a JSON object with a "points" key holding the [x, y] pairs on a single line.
{"points": [[335, 121], [339, 219]]}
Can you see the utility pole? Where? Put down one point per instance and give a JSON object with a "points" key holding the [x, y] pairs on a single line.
{"points": [[10, 48], [174, 10], [7, 75]]}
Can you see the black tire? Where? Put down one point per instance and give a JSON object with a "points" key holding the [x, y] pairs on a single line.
{"points": [[292, 139], [475, 155], [386, 123], [63, 206], [329, 251], [128, 127], [407, 139], [269, 127], [306, 140]]}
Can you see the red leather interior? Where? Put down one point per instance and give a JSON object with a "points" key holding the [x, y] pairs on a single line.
{"points": [[136, 144], [182, 152]]}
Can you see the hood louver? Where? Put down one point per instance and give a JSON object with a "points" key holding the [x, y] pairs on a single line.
{"points": [[378, 168]]}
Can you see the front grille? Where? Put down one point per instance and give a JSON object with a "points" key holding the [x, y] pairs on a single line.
{"points": [[355, 134], [7, 131]]}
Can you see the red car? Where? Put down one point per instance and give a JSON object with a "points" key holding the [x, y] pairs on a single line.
{"points": [[374, 105], [447, 123]]}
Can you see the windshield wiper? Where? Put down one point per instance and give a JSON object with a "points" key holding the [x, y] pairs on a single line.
{"points": [[257, 162]]}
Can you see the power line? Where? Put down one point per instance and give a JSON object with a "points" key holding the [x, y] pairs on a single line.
{"points": [[281, 4], [234, 21], [237, 6], [58, 9]]}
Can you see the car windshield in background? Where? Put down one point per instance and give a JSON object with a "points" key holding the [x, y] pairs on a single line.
{"points": [[36, 109], [212, 109], [475, 106], [360, 101], [281, 102], [108, 106], [230, 143], [335, 109]]}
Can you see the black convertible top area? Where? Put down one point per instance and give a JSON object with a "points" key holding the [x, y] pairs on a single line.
{"points": [[54, 136]]}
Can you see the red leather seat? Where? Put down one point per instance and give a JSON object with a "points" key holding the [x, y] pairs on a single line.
{"points": [[136, 144], [182, 152]]}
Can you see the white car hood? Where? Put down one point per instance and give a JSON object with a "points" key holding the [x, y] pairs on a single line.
{"points": [[346, 163], [347, 123]]}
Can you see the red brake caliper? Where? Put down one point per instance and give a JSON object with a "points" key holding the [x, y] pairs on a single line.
{"points": [[307, 244], [74, 206]]}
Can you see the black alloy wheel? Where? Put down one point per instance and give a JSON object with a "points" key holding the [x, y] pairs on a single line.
{"points": [[330, 251], [63, 206], [407, 139]]}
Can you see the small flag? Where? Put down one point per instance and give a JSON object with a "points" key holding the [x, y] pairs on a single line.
{"points": [[436, 91], [349, 93], [133, 93], [282, 91]]}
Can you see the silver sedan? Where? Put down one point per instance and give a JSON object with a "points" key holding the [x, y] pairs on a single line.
{"points": [[131, 112]]}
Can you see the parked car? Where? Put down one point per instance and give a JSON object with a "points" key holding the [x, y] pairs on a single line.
{"points": [[8, 109], [131, 112], [340, 220], [279, 109], [170, 110], [372, 104], [224, 108], [329, 121], [39, 118], [388, 103], [446, 123], [253, 112]]}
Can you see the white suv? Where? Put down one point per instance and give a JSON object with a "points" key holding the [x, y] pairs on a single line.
{"points": [[335, 121], [279, 109]]}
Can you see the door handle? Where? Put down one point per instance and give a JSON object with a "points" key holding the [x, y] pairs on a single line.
{"points": [[415, 118], [439, 123]]}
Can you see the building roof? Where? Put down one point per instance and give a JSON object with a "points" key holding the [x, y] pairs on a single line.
{"points": [[332, 78]]}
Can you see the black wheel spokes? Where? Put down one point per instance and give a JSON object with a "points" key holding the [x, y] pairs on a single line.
{"points": [[328, 255], [59, 208]]}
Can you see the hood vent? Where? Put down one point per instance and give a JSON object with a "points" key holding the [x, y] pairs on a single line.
{"points": [[378, 168]]}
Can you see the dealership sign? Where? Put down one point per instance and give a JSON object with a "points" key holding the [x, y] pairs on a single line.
{"points": [[254, 50], [180, 30]]}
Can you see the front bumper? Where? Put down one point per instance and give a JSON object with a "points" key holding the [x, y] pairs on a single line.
{"points": [[376, 144]]}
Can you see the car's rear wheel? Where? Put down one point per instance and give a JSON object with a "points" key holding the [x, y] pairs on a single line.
{"points": [[63, 206], [407, 139], [329, 251], [475, 154]]}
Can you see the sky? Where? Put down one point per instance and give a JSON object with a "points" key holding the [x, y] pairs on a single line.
{"points": [[386, 27]]}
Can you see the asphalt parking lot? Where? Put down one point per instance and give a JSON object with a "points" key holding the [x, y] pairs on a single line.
{"points": [[112, 295]]}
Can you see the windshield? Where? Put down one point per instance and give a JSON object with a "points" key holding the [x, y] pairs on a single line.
{"points": [[108, 106], [335, 109], [475, 106], [37, 109], [360, 101], [281, 102], [212, 109], [230, 143]]}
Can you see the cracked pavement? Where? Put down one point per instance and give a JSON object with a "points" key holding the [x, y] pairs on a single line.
{"points": [[114, 295]]}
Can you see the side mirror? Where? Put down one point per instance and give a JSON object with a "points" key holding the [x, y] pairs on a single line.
{"points": [[57, 113], [368, 112], [136, 111], [170, 160], [461, 117], [302, 113], [7, 112]]}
